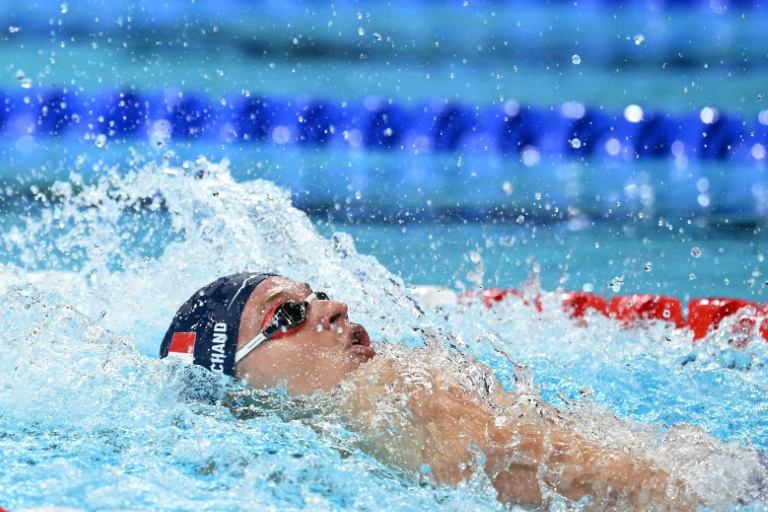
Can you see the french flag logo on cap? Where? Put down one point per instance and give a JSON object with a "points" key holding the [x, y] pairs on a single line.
{"points": [[183, 346]]}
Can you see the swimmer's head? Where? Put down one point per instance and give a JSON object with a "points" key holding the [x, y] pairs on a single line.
{"points": [[268, 330]]}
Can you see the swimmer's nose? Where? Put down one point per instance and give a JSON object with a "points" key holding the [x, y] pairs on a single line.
{"points": [[328, 314]]}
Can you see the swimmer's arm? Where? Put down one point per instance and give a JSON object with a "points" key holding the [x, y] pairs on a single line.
{"points": [[577, 468], [521, 452], [515, 449]]}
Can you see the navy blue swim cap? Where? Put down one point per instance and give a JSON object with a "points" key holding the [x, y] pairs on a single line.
{"points": [[205, 328]]}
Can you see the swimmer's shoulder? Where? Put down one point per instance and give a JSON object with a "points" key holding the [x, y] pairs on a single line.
{"points": [[420, 369]]}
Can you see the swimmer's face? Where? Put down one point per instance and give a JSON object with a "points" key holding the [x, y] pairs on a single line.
{"points": [[316, 355]]}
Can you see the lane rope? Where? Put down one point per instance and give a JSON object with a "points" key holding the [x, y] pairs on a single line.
{"points": [[704, 316], [571, 130]]}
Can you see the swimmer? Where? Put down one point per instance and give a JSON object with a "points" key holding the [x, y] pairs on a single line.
{"points": [[270, 331]]}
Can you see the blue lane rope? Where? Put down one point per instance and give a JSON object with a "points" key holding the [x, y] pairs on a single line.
{"points": [[571, 130]]}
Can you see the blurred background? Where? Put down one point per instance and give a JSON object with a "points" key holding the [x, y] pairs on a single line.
{"points": [[603, 146]]}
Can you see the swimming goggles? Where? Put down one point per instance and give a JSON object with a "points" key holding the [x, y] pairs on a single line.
{"points": [[286, 316]]}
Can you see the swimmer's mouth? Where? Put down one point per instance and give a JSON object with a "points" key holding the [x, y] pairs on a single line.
{"points": [[360, 341]]}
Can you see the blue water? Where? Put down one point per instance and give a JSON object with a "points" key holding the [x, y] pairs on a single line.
{"points": [[84, 395], [101, 243]]}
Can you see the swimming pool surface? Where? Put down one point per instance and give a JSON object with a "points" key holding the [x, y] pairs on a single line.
{"points": [[103, 238]]}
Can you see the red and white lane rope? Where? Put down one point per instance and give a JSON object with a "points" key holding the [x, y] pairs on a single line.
{"points": [[703, 315]]}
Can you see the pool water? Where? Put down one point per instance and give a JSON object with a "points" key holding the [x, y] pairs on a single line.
{"points": [[647, 257], [86, 397], [102, 240]]}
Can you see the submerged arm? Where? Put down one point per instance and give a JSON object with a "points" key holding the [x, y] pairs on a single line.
{"points": [[565, 462], [527, 452]]}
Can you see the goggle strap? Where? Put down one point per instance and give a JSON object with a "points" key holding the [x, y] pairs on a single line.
{"points": [[255, 342]]}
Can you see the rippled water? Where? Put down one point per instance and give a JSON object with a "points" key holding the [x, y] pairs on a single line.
{"points": [[91, 419]]}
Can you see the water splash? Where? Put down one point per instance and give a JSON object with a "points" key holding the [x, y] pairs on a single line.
{"points": [[136, 246]]}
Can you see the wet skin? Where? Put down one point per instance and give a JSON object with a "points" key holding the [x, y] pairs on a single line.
{"points": [[316, 355]]}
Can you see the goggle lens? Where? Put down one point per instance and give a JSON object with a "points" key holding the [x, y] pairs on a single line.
{"points": [[290, 315]]}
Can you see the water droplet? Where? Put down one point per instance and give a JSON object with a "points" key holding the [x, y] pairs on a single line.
{"points": [[24, 82], [695, 252], [506, 187], [576, 59], [358, 195], [537, 195], [616, 283], [101, 140], [691, 276], [666, 313], [64, 8], [575, 143], [639, 39], [648, 266]]}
